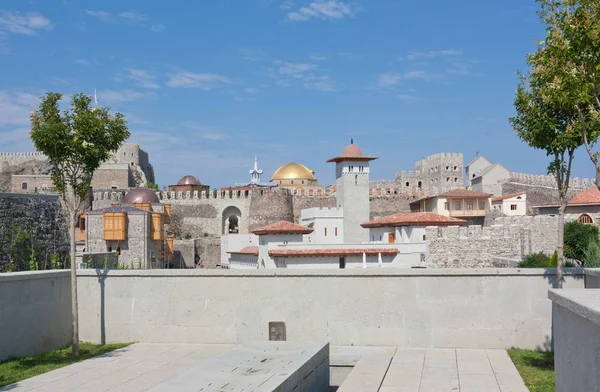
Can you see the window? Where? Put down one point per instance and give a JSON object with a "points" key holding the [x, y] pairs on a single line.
{"points": [[285, 242], [351, 168], [336, 232], [455, 179], [356, 179], [458, 206], [585, 219], [424, 237], [420, 184], [470, 205], [24, 186], [292, 181], [302, 182], [326, 232], [131, 154], [513, 207], [455, 167], [131, 163], [342, 263], [407, 183], [482, 205], [446, 206], [447, 179], [447, 167]]}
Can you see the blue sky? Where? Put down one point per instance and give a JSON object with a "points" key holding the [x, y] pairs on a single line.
{"points": [[208, 84]]}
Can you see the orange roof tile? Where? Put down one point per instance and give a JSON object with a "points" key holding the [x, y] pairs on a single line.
{"points": [[414, 219], [247, 250], [331, 252], [500, 198], [282, 227], [589, 196], [351, 153]]}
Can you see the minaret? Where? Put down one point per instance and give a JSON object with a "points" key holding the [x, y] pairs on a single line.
{"points": [[255, 173], [352, 191]]}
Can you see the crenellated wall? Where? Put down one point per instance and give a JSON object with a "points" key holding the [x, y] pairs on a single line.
{"points": [[476, 246], [18, 158], [550, 181]]}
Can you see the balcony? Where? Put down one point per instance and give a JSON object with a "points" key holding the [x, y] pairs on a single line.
{"points": [[466, 213]]}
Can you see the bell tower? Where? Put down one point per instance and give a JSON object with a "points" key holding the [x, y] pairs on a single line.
{"points": [[352, 191]]}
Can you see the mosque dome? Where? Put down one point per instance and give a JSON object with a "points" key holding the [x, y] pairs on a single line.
{"points": [[188, 180], [293, 171], [140, 195]]}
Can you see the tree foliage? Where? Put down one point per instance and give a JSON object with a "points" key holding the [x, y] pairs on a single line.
{"points": [[570, 61], [76, 141], [592, 254], [577, 239]]}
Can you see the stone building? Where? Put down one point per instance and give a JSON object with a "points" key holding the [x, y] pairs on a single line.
{"points": [[133, 231], [490, 179], [31, 183], [436, 173], [295, 177], [457, 203], [511, 205], [583, 207]]}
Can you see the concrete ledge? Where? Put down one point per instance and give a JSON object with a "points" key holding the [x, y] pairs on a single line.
{"points": [[368, 374], [592, 272], [259, 366], [582, 302], [359, 272], [32, 275]]}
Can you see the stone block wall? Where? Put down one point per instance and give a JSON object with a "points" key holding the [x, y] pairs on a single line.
{"points": [[41, 217], [476, 246], [36, 312]]}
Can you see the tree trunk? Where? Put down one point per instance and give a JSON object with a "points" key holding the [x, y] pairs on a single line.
{"points": [[74, 309], [560, 248]]}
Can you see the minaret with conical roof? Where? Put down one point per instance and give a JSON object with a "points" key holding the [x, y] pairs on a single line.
{"points": [[352, 191]]}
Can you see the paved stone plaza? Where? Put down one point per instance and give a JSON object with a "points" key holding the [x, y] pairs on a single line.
{"points": [[143, 367]]}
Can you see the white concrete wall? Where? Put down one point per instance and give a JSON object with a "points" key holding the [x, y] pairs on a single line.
{"points": [[576, 327], [505, 206], [329, 262], [35, 312], [320, 222], [479, 308], [234, 243]]}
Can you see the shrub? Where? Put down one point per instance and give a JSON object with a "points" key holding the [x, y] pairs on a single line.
{"points": [[535, 260], [553, 262], [577, 239], [592, 255], [188, 236]]}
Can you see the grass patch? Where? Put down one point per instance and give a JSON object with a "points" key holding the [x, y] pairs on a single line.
{"points": [[536, 368], [14, 370]]}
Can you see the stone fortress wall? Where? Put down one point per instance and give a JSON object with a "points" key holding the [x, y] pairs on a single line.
{"points": [[18, 158], [476, 246]]}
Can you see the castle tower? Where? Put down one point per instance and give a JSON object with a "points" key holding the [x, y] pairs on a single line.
{"points": [[352, 191]]}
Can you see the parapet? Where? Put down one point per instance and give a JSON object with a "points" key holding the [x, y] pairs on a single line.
{"points": [[550, 180], [22, 155]]}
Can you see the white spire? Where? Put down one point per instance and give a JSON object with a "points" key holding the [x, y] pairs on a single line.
{"points": [[255, 173]]}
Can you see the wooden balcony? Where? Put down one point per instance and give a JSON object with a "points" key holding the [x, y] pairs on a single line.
{"points": [[467, 213]]}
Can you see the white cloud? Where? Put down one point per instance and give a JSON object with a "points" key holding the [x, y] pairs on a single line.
{"points": [[318, 58], [114, 96], [388, 79], [295, 70], [158, 28], [324, 9], [28, 23], [15, 107], [126, 17], [407, 98], [320, 83], [287, 5], [141, 77], [135, 119], [133, 16], [82, 62], [432, 53], [203, 81], [250, 90]]}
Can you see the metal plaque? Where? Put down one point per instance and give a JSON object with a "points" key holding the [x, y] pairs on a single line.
{"points": [[277, 330]]}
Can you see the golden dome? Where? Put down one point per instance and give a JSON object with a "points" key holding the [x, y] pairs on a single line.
{"points": [[293, 171]]}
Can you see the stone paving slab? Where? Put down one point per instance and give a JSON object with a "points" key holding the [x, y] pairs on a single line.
{"points": [[141, 367]]}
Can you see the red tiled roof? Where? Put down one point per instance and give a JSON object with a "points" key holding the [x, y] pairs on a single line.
{"points": [[247, 250], [589, 196], [332, 252], [507, 196], [415, 219], [282, 227], [351, 152]]}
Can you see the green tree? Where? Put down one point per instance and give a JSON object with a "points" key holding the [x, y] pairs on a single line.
{"points": [[546, 124], [76, 142], [592, 254], [152, 185], [577, 239], [571, 63]]}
